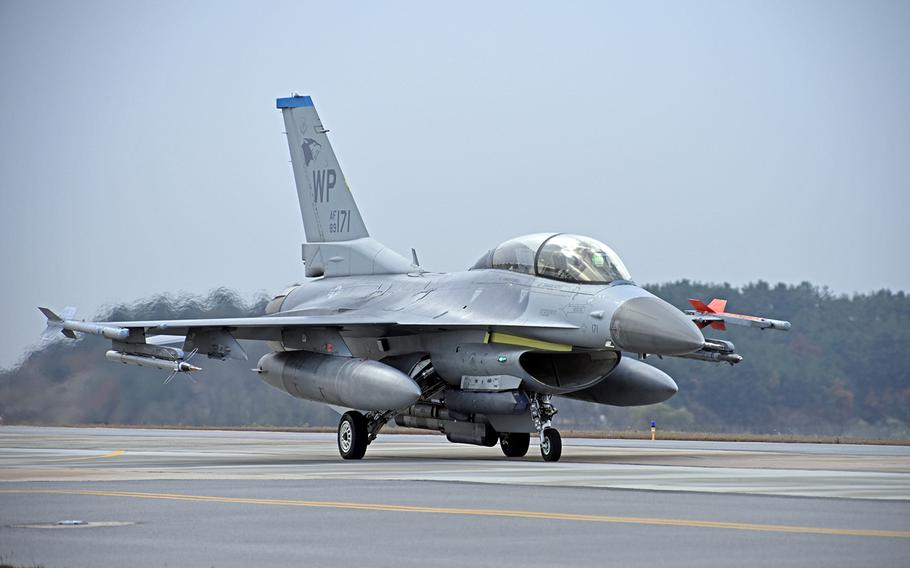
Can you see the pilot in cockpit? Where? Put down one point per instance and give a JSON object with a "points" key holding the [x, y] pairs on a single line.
{"points": [[561, 264], [561, 256]]}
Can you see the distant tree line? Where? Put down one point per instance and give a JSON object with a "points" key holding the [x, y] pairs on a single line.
{"points": [[844, 369]]}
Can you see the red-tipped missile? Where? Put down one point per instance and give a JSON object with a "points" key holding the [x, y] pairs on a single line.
{"points": [[713, 314]]}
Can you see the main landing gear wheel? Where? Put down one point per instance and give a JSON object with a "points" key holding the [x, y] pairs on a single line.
{"points": [[514, 444], [352, 435], [551, 445]]}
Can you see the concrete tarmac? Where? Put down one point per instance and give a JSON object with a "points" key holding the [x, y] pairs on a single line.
{"points": [[219, 498]]}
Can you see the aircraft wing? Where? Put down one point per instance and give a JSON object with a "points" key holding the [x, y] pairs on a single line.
{"points": [[270, 327], [153, 343], [254, 325]]}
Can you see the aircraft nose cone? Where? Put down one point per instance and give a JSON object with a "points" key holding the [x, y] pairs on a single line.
{"points": [[650, 325]]}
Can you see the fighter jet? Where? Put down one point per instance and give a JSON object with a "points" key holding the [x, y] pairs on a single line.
{"points": [[478, 355]]}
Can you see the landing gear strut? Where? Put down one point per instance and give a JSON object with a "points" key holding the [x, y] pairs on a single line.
{"points": [[356, 430], [542, 412]]}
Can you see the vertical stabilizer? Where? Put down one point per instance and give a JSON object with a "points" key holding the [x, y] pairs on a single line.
{"points": [[338, 243], [326, 204]]}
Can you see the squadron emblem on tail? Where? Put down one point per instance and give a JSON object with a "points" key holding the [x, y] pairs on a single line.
{"points": [[310, 150]]}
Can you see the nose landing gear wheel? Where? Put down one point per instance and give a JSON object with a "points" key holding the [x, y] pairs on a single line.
{"points": [[514, 444], [551, 445], [352, 435]]}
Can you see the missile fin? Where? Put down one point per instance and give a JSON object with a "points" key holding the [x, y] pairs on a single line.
{"points": [[50, 315], [700, 306], [717, 305]]}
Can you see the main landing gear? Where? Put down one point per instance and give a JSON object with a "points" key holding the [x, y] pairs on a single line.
{"points": [[514, 444], [353, 437], [356, 431]]}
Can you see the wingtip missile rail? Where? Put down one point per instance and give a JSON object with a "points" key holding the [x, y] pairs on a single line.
{"points": [[138, 354], [57, 323]]}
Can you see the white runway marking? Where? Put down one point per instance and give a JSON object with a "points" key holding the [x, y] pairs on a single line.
{"points": [[56, 454]]}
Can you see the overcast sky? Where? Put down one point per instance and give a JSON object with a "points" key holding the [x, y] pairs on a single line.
{"points": [[141, 152]]}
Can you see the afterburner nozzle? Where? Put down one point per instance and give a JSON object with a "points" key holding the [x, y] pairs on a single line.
{"points": [[647, 324]]}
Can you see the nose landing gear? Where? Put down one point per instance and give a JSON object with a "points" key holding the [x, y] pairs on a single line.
{"points": [[550, 445], [542, 412]]}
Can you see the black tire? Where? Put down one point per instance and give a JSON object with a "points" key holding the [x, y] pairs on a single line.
{"points": [[514, 444], [551, 445], [490, 437], [352, 435]]}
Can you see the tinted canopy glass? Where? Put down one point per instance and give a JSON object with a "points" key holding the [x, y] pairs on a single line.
{"points": [[519, 254], [573, 258], [570, 258]]}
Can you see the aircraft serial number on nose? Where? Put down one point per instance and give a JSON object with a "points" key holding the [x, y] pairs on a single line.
{"points": [[340, 221]]}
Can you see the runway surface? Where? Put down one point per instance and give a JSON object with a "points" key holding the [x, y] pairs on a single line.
{"points": [[218, 498]]}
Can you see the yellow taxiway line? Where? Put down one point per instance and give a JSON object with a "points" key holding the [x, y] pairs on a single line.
{"points": [[541, 515], [113, 454]]}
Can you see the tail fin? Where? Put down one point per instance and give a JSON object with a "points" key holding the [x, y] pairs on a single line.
{"points": [[326, 204]]}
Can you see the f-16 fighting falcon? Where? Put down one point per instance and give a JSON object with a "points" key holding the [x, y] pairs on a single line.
{"points": [[478, 355]]}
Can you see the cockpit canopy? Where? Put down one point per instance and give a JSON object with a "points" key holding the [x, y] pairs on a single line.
{"points": [[565, 257]]}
